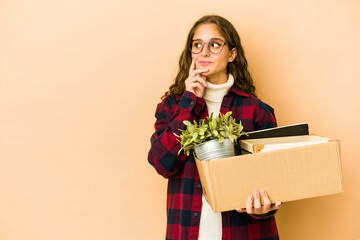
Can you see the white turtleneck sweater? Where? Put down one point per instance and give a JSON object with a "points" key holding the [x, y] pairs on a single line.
{"points": [[210, 222]]}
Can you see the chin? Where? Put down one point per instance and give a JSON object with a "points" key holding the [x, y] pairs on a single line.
{"points": [[207, 73]]}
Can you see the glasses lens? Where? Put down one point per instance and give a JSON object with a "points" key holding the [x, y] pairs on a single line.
{"points": [[196, 46], [216, 46]]}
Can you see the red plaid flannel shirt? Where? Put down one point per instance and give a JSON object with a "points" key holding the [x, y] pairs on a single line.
{"points": [[184, 187]]}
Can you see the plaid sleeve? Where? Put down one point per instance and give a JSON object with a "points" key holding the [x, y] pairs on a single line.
{"points": [[264, 117], [163, 154]]}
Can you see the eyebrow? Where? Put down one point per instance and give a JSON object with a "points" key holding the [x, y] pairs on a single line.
{"points": [[198, 39]]}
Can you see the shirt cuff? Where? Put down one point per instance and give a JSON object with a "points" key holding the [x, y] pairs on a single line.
{"points": [[191, 102], [264, 216]]}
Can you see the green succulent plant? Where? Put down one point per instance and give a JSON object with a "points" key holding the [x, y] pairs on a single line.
{"points": [[207, 129]]}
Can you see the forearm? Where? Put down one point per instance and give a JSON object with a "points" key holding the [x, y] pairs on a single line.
{"points": [[163, 154]]}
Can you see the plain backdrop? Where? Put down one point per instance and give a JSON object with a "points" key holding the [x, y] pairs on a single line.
{"points": [[79, 84]]}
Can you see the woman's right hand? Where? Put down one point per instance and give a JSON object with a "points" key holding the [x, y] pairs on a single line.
{"points": [[196, 83]]}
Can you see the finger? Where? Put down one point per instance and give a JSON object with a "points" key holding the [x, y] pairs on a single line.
{"points": [[199, 89], [192, 66], [195, 59], [201, 80], [257, 202], [241, 210], [267, 203], [249, 204], [198, 71], [276, 206], [198, 86]]}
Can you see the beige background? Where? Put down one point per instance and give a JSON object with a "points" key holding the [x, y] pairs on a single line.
{"points": [[79, 83]]}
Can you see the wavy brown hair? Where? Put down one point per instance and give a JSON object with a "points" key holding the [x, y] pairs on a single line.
{"points": [[238, 68]]}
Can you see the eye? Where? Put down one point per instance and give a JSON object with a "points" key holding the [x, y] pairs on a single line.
{"points": [[197, 44], [215, 44]]}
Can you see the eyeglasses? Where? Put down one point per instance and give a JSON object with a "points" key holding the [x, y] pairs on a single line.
{"points": [[215, 46]]}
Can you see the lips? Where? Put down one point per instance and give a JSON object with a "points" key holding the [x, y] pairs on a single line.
{"points": [[204, 63]]}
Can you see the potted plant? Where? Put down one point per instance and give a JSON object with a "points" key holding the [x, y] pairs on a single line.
{"points": [[211, 137]]}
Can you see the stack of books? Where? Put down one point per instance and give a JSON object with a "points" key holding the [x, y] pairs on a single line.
{"points": [[245, 145]]}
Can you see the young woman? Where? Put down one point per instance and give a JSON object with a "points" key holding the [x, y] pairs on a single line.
{"points": [[212, 77]]}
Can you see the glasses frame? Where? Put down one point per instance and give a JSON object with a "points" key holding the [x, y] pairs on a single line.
{"points": [[207, 44]]}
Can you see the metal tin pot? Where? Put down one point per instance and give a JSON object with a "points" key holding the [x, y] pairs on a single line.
{"points": [[213, 149]]}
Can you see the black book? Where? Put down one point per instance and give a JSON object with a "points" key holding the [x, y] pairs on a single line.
{"points": [[283, 131]]}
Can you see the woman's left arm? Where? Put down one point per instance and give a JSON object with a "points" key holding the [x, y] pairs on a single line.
{"points": [[263, 118]]}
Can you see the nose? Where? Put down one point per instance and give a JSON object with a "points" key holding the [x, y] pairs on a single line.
{"points": [[205, 51]]}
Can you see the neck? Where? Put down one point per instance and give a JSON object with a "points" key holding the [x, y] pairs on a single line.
{"points": [[218, 79], [214, 93]]}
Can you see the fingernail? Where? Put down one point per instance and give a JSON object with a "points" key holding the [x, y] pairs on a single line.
{"points": [[250, 197], [256, 192], [263, 191]]}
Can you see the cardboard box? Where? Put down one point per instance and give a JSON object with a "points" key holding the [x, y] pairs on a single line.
{"points": [[286, 174]]}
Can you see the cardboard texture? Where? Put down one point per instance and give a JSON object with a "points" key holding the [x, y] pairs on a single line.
{"points": [[286, 174]]}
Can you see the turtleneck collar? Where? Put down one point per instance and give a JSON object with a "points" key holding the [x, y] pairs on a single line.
{"points": [[216, 92]]}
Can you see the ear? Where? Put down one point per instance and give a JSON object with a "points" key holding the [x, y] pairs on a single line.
{"points": [[233, 54]]}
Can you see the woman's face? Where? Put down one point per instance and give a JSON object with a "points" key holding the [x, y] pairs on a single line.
{"points": [[216, 63]]}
